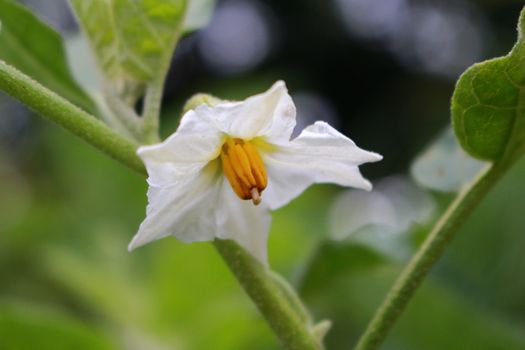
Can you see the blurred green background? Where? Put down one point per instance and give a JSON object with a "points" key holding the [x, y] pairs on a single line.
{"points": [[382, 72]]}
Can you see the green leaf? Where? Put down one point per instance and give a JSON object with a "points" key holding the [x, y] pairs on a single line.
{"points": [[132, 40], [488, 112], [36, 49]]}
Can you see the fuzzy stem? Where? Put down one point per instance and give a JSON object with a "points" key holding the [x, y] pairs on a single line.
{"points": [[253, 277], [57, 109], [150, 115], [427, 255], [266, 294]]}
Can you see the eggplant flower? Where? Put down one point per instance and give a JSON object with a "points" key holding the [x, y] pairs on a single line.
{"points": [[228, 165]]}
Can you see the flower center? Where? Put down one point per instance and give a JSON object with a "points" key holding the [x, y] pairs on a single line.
{"points": [[243, 167]]}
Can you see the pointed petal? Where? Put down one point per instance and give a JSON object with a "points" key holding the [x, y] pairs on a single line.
{"points": [[243, 222], [270, 114], [188, 150], [320, 154], [184, 210]]}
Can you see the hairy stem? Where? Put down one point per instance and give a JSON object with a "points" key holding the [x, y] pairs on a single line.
{"points": [[284, 320], [150, 115], [57, 109], [266, 294], [427, 255]]}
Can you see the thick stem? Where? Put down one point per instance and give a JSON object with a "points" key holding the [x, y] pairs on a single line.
{"points": [[59, 110], [270, 300], [283, 319], [427, 255]]}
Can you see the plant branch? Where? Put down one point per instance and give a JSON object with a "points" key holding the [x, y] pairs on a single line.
{"points": [[284, 320], [427, 255], [266, 294], [152, 104], [57, 109]]}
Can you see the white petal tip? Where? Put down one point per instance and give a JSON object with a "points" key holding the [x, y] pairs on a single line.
{"points": [[143, 149], [131, 247], [279, 85], [367, 186], [375, 157], [135, 243]]}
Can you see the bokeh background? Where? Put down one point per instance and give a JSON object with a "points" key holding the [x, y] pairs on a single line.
{"points": [[382, 72]]}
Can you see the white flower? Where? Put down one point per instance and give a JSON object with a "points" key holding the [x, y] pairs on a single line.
{"points": [[228, 165]]}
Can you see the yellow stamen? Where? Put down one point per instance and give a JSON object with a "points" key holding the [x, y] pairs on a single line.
{"points": [[259, 171], [244, 169]]}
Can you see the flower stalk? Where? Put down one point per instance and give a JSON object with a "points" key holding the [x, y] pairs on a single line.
{"points": [[427, 255], [254, 278], [285, 321]]}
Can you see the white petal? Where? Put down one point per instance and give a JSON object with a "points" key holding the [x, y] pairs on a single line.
{"points": [[187, 151], [184, 210], [270, 114], [320, 154], [243, 222]]}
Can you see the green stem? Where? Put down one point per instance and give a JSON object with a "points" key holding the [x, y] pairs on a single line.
{"points": [[150, 115], [427, 255], [293, 298], [266, 294], [254, 278], [59, 110]]}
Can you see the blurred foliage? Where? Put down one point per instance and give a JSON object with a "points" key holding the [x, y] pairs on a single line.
{"points": [[444, 165], [63, 257], [67, 214], [473, 300], [36, 49], [26, 326]]}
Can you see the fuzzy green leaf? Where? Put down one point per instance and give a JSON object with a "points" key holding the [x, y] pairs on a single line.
{"points": [[132, 39], [36, 49], [488, 111]]}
